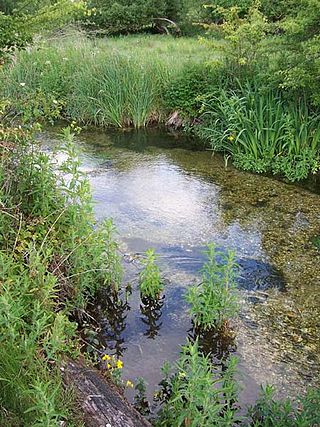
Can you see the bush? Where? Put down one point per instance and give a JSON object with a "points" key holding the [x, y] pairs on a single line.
{"points": [[186, 91], [11, 35], [297, 68], [53, 260], [197, 15], [219, 7], [18, 28], [197, 394], [243, 36], [276, 10], [128, 16], [214, 301]]}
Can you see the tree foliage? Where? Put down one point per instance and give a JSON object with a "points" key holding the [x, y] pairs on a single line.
{"points": [[21, 20], [127, 16], [299, 62]]}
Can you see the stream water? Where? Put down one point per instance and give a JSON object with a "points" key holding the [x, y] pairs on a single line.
{"points": [[168, 193]]}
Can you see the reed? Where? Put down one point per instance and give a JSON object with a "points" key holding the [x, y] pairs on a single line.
{"points": [[263, 132]]}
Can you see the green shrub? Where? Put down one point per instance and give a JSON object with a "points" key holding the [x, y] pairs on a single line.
{"points": [[197, 15], [18, 28], [150, 282], [28, 389], [52, 261], [128, 16], [198, 394], [243, 36], [269, 412], [218, 7], [186, 91], [296, 67], [214, 301], [276, 10], [11, 35]]}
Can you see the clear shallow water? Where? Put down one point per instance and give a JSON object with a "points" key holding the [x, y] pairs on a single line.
{"points": [[176, 199]]}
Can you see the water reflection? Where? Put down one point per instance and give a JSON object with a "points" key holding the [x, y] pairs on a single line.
{"points": [[219, 344], [152, 311], [113, 314]]}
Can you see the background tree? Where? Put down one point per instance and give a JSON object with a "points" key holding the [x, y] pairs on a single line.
{"points": [[21, 20]]}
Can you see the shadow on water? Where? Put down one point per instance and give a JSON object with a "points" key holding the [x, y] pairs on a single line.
{"points": [[113, 315], [167, 192], [253, 274]]}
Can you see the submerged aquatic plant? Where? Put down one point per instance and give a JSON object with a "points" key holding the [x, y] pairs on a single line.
{"points": [[150, 281], [214, 301], [316, 241]]}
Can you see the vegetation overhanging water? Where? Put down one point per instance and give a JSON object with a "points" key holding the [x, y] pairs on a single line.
{"points": [[175, 200]]}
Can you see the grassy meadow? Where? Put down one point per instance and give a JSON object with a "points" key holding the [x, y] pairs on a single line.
{"points": [[106, 82]]}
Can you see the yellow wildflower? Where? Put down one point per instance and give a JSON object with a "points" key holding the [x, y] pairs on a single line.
{"points": [[106, 357], [242, 61], [119, 364], [231, 138], [109, 366], [129, 384]]}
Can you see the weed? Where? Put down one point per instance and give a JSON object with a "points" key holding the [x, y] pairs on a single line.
{"points": [[269, 412], [52, 260], [214, 301], [316, 241], [114, 366], [197, 395], [140, 401], [150, 283], [110, 82]]}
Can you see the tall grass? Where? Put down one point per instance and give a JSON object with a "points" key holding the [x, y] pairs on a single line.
{"points": [[116, 91], [108, 82], [263, 132], [139, 80]]}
